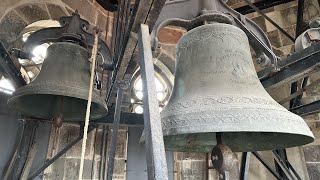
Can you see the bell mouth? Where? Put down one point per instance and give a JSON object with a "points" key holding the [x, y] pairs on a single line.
{"points": [[237, 141], [49, 106], [243, 129]]}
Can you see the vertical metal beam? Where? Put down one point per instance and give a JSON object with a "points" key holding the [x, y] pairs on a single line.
{"points": [[299, 25], [156, 158], [9, 166], [103, 167], [245, 162], [27, 141], [29, 161], [114, 136]]}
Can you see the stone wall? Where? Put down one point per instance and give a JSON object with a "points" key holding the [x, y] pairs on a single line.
{"points": [[98, 145]]}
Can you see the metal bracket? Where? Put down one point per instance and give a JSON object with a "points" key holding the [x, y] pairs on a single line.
{"points": [[8, 68], [73, 29], [191, 9]]}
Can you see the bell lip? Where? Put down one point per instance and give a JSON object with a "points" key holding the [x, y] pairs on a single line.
{"points": [[207, 148], [17, 94], [281, 123]]}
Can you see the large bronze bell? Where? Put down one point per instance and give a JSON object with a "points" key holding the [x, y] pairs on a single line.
{"points": [[61, 88], [217, 90]]}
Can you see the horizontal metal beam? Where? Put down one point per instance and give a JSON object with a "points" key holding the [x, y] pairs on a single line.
{"points": [[9, 69], [307, 109], [296, 66], [261, 5], [128, 119]]}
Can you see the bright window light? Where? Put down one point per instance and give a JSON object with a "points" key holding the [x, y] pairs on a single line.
{"points": [[138, 109], [6, 86], [30, 74], [39, 53], [161, 89]]}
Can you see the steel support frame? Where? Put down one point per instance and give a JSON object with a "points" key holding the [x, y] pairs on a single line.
{"points": [[244, 166], [47, 163], [122, 86], [19, 163], [270, 20], [155, 152], [264, 4], [8, 68], [281, 160]]}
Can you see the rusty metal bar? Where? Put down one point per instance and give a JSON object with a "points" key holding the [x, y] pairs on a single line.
{"points": [[156, 158], [114, 135]]}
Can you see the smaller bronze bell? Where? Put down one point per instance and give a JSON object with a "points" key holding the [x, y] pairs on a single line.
{"points": [[61, 88]]}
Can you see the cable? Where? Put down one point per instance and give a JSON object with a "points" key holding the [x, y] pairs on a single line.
{"points": [[86, 123]]}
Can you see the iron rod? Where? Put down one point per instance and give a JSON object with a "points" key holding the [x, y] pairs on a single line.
{"points": [[245, 163], [299, 28], [118, 59], [262, 5], [8, 168], [283, 166], [156, 158], [114, 135], [9, 69], [57, 156], [273, 172], [24, 150], [103, 153], [270, 20], [294, 171]]}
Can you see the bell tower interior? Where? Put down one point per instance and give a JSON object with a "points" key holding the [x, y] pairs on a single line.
{"points": [[160, 89]]}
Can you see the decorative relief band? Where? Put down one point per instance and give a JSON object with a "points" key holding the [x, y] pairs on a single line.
{"points": [[214, 102], [213, 32], [234, 120]]}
